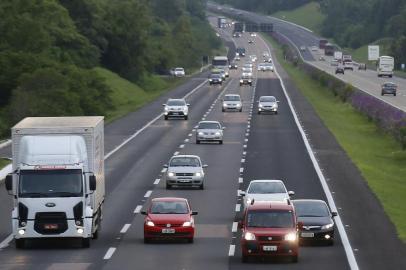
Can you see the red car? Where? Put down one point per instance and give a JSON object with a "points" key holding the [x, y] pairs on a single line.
{"points": [[169, 218], [270, 229]]}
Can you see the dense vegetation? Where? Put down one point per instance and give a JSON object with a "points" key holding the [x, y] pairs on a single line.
{"points": [[49, 49], [350, 23]]}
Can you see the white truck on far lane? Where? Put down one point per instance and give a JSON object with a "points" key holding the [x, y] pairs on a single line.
{"points": [[385, 66]]}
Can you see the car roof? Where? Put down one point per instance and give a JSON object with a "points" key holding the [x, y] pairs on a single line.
{"points": [[232, 95], [215, 122], [270, 205], [266, 97], [172, 99], [169, 199], [389, 83], [193, 156], [308, 200]]}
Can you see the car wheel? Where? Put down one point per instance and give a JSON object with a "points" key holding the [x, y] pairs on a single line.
{"points": [[390, 76], [221, 142], [223, 110], [186, 117], [394, 94], [201, 186], [197, 141], [381, 94], [168, 186], [276, 112], [241, 110], [240, 84], [259, 112], [85, 242], [294, 259], [20, 243], [190, 240], [244, 259], [166, 117], [147, 240]]}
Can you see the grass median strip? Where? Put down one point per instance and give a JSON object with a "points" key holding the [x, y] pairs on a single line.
{"points": [[378, 156], [4, 163]]}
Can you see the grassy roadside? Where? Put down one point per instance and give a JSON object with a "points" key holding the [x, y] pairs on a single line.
{"points": [[4, 163], [128, 97], [378, 156], [301, 16]]}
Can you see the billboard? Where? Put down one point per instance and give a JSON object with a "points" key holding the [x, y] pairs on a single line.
{"points": [[373, 52]]}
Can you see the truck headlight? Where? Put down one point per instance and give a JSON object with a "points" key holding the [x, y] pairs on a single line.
{"points": [[290, 237], [249, 236], [171, 174], [224, 104], [150, 223], [80, 230], [21, 231], [328, 226]]}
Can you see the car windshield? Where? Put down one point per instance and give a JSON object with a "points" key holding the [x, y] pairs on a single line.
{"points": [[208, 125], [178, 69], [311, 209], [215, 76], [266, 188], [176, 103], [169, 208], [267, 99], [246, 69], [270, 219], [232, 98], [185, 162], [50, 183], [391, 85]]}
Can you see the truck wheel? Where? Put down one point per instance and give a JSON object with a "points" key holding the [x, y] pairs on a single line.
{"points": [[259, 112], [20, 243], [85, 242], [394, 95], [223, 110], [381, 94], [96, 234], [241, 110], [276, 112]]}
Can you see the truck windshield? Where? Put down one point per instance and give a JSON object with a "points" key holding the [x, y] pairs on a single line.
{"points": [[270, 219], [220, 62], [50, 183]]}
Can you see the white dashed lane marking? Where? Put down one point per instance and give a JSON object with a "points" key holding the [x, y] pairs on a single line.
{"points": [[109, 253], [156, 182], [234, 228], [137, 209], [148, 194], [231, 251], [125, 228]]}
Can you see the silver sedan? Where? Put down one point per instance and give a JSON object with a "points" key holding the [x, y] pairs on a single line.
{"points": [[209, 131]]}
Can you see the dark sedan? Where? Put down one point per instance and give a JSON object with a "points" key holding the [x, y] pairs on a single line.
{"points": [[340, 69], [215, 79], [389, 88], [233, 65], [318, 223]]}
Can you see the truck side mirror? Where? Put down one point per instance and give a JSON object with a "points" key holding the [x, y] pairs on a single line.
{"points": [[92, 182], [9, 182]]}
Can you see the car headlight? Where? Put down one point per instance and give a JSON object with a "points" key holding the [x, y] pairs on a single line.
{"points": [[198, 174], [224, 104], [249, 236], [238, 105], [150, 223], [241, 81], [291, 237], [249, 200], [187, 224], [260, 105], [328, 226], [166, 109], [171, 174], [210, 80], [220, 80], [217, 134]]}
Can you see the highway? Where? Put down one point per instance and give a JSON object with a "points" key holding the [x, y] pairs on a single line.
{"points": [[367, 81], [255, 146]]}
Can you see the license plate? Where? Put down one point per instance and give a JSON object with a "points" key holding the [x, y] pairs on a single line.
{"points": [[270, 248], [307, 235], [168, 230], [175, 113], [184, 181], [51, 226]]}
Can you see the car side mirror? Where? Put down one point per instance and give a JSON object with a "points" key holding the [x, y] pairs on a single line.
{"points": [[223, 128], [291, 193], [300, 225], [92, 183], [277, 101], [166, 166], [205, 166], [143, 213], [242, 193], [194, 213], [188, 104], [163, 104], [9, 182], [334, 214]]}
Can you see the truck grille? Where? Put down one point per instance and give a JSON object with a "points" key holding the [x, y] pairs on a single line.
{"points": [[50, 222]]}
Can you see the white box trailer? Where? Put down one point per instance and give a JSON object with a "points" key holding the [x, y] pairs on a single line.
{"points": [[385, 66], [57, 182]]}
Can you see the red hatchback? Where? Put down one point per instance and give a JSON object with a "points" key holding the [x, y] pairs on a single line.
{"points": [[169, 218], [269, 229]]}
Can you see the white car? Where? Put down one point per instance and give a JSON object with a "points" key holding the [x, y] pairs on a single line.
{"points": [[265, 54], [248, 65], [179, 72], [314, 48], [232, 102], [185, 170], [209, 131], [266, 190], [253, 34], [253, 58], [268, 104], [176, 108], [237, 58], [265, 67]]}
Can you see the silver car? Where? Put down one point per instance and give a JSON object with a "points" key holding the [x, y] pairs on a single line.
{"points": [[176, 108], [268, 104], [265, 67], [231, 102], [185, 171], [209, 131], [266, 190]]}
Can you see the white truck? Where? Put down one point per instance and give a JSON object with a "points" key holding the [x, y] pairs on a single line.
{"points": [[385, 66], [57, 181], [338, 56]]}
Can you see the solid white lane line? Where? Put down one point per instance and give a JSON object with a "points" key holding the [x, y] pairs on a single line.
{"points": [[156, 182], [343, 234], [109, 253], [137, 209], [238, 207], [164, 170], [147, 125], [240, 180], [234, 228], [231, 251], [148, 193], [125, 228]]}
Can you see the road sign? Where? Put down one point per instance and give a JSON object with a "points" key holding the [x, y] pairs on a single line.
{"points": [[402, 66], [251, 27], [373, 52], [266, 27]]}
